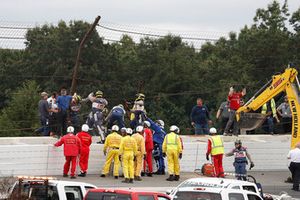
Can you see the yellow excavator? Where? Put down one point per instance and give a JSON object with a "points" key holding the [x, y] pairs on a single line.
{"points": [[286, 82]]}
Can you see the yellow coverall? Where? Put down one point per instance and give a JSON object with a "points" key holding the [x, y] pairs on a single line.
{"points": [[128, 149], [172, 147], [112, 143], [138, 164]]}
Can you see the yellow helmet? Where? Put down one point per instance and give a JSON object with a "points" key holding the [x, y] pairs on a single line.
{"points": [[99, 94], [140, 96]]}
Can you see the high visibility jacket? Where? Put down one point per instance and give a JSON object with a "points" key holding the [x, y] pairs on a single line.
{"points": [[217, 146], [172, 142], [128, 144], [113, 140], [140, 141], [264, 108], [72, 144], [86, 140]]}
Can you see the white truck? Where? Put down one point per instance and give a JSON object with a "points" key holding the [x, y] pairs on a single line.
{"points": [[47, 188]]}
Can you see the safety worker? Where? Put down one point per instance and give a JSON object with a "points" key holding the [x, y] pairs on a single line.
{"points": [[215, 148], [141, 152], [116, 114], [138, 111], [86, 141], [72, 148], [240, 154], [127, 152], [172, 148], [158, 139], [111, 151], [269, 109], [123, 131], [148, 136], [96, 116], [73, 117]]}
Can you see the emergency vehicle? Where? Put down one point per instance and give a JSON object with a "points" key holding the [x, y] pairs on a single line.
{"points": [[102, 194], [40, 188]]}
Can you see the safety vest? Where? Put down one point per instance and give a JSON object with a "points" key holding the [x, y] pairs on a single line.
{"points": [[217, 146], [265, 108], [171, 141]]}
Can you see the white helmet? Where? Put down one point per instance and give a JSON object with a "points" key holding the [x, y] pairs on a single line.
{"points": [[147, 123], [161, 123], [139, 129], [129, 131], [123, 129], [70, 129], [174, 128], [115, 128], [85, 127], [213, 130]]}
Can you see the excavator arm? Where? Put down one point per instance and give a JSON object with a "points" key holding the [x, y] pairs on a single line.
{"points": [[285, 82]]}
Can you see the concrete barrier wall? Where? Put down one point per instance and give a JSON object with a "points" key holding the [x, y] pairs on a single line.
{"points": [[45, 159]]}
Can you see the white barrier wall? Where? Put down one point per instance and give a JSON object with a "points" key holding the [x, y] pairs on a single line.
{"points": [[16, 158]]}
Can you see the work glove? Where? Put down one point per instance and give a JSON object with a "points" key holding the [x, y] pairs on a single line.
{"points": [[144, 157], [134, 158], [164, 154], [104, 152], [120, 158], [180, 155], [251, 165], [207, 157]]}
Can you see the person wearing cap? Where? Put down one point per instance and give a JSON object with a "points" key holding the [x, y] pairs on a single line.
{"points": [[172, 148], [86, 141], [215, 148], [148, 136], [72, 148], [127, 153], [138, 111], [240, 154], [141, 152], [111, 151], [294, 167], [44, 110], [116, 114]]}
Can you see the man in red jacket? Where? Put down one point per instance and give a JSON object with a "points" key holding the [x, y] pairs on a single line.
{"points": [[86, 141], [149, 148], [72, 147]]}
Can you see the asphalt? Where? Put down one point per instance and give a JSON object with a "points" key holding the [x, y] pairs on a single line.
{"points": [[272, 182]]}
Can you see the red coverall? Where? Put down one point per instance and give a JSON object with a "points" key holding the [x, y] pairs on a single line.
{"points": [[217, 161], [149, 148], [86, 141], [72, 147]]}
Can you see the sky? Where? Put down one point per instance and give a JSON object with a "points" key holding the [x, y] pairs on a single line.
{"points": [[212, 16]]}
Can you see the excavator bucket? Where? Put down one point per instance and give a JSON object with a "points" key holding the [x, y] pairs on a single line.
{"points": [[250, 121]]}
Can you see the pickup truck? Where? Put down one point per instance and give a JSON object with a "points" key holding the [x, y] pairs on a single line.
{"points": [[116, 194], [41, 188]]}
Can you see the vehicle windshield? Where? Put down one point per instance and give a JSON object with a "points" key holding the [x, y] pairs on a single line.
{"points": [[199, 184], [106, 196], [193, 195]]}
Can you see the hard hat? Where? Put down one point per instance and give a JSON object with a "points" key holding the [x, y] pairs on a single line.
{"points": [[147, 123], [129, 131], [85, 127], [161, 123], [70, 129], [238, 141], [213, 130], [140, 96], [120, 105], [115, 128], [99, 94], [123, 129], [139, 129], [174, 128]]}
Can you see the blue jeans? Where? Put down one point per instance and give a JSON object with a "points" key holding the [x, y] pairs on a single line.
{"points": [[201, 129], [269, 125], [44, 129], [116, 117], [240, 169]]}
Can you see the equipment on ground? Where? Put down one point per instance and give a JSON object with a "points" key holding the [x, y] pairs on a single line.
{"points": [[286, 82], [208, 170]]}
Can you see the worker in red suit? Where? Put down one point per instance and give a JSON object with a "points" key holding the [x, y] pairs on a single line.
{"points": [[215, 148], [148, 136], [72, 147], [86, 141]]}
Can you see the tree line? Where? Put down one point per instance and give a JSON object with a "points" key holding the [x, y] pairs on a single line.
{"points": [[169, 71]]}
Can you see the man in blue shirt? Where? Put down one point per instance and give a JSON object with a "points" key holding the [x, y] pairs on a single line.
{"points": [[200, 118], [63, 103]]}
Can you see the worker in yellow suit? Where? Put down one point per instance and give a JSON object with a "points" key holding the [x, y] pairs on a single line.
{"points": [[172, 148], [141, 152], [111, 148], [127, 152]]}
